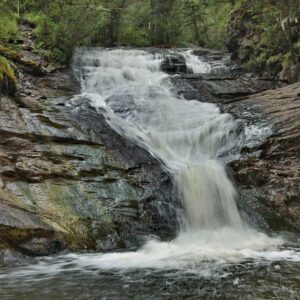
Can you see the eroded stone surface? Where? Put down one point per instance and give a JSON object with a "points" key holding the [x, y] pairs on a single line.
{"points": [[269, 173], [69, 180]]}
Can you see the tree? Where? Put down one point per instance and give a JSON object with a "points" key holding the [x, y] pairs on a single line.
{"points": [[192, 10], [115, 9], [162, 14]]}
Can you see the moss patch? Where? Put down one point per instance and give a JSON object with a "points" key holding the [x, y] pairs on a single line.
{"points": [[12, 237], [9, 53], [7, 77]]}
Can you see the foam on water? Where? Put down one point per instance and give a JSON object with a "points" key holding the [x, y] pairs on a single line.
{"points": [[195, 64]]}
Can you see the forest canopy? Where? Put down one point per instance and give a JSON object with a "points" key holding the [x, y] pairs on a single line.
{"points": [[62, 24]]}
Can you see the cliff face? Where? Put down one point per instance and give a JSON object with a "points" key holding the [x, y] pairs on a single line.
{"points": [[265, 42], [268, 173]]}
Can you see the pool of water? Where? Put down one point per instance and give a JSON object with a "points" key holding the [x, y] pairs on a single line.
{"points": [[62, 278]]}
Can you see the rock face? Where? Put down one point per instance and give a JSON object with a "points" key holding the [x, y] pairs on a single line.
{"points": [[269, 173], [68, 180], [174, 64], [230, 86], [241, 38]]}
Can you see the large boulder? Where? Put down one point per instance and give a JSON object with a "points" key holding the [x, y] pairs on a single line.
{"points": [[241, 34]]}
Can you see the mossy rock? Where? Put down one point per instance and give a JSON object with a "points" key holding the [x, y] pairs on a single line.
{"points": [[7, 77], [26, 63], [9, 53], [32, 242]]}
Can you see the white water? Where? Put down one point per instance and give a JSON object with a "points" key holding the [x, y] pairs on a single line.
{"points": [[195, 64], [190, 137]]}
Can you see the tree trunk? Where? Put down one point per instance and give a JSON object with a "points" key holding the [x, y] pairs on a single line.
{"points": [[18, 8]]}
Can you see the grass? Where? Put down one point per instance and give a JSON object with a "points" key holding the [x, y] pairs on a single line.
{"points": [[7, 76], [8, 27]]}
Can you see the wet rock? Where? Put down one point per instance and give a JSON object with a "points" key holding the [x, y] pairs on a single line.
{"points": [[187, 88], [231, 86], [69, 180], [9, 256], [40, 247], [210, 54], [174, 64], [275, 173]]}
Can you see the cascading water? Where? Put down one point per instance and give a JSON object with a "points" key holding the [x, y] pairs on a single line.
{"points": [[195, 64], [216, 254], [189, 137]]}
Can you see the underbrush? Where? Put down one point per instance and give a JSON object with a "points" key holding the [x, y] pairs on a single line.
{"points": [[9, 29]]}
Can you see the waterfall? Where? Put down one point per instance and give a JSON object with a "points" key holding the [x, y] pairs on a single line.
{"points": [[216, 254], [191, 138], [188, 136]]}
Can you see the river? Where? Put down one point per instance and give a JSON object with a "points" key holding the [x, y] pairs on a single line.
{"points": [[216, 254]]}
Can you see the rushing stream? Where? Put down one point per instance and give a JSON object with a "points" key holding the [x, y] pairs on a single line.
{"points": [[216, 254]]}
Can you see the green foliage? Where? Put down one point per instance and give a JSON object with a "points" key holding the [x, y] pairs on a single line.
{"points": [[206, 21], [217, 15], [61, 25], [9, 53], [65, 26], [277, 30], [5, 70], [134, 37], [7, 76], [8, 26]]}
